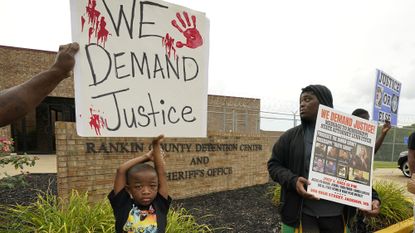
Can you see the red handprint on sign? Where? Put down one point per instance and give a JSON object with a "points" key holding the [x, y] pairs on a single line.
{"points": [[193, 37]]}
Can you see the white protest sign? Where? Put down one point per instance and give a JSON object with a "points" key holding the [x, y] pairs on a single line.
{"points": [[341, 161], [141, 70]]}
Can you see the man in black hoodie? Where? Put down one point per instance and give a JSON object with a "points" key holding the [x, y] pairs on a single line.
{"points": [[289, 166]]}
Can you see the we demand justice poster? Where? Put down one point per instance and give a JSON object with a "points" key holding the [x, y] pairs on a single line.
{"points": [[141, 70], [342, 158]]}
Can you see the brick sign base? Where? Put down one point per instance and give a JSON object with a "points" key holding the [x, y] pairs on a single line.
{"points": [[195, 166]]}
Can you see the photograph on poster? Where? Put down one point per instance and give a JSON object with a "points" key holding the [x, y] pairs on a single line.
{"points": [[359, 176], [344, 156], [318, 165], [394, 104], [361, 159], [330, 167], [342, 171], [378, 98], [332, 152], [320, 149]]}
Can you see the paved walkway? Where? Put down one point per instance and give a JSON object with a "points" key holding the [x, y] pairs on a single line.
{"points": [[45, 164]]}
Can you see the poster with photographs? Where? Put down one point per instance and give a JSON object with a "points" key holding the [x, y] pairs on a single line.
{"points": [[342, 158]]}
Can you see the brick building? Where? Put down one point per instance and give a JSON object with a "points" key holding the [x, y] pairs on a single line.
{"points": [[35, 133]]}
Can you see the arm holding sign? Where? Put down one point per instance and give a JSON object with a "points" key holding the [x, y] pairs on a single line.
{"points": [[159, 164], [284, 175], [17, 101], [386, 127]]}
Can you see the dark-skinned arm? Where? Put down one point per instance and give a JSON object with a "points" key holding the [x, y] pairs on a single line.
{"points": [[17, 101], [160, 167], [386, 127], [284, 176]]}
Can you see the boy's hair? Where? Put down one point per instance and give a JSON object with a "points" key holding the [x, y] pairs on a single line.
{"points": [[359, 112], [141, 167]]}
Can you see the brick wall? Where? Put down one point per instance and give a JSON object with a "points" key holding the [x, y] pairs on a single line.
{"points": [[18, 65], [233, 114], [240, 163]]}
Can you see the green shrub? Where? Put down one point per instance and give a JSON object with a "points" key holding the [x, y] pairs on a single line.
{"points": [[275, 192], [50, 214], [17, 161], [179, 221], [395, 207]]}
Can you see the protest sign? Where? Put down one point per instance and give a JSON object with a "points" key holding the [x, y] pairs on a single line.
{"points": [[141, 69], [341, 161], [386, 99]]}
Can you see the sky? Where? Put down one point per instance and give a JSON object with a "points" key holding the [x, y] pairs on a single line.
{"points": [[271, 49]]}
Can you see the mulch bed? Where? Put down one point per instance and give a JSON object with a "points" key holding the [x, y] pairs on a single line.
{"points": [[242, 210], [37, 183]]}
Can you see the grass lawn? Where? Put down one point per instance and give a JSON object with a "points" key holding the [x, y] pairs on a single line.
{"points": [[385, 164]]}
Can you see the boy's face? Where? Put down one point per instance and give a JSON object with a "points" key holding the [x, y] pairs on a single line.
{"points": [[143, 186]]}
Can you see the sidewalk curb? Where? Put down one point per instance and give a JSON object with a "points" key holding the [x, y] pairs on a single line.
{"points": [[405, 226]]}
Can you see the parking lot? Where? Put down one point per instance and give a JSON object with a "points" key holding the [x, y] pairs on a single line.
{"points": [[392, 174]]}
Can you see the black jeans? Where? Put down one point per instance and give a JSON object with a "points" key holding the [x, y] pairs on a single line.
{"points": [[311, 224]]}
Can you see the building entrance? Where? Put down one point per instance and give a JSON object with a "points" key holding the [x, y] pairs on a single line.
{"points": [[35, 133]]}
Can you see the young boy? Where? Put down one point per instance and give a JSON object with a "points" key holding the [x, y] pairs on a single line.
{"points": [[140, 198]]}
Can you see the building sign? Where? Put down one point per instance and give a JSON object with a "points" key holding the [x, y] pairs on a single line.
{"points": [[199, 172], [386, 99], [197, 166], [342, 158], [134, 147], [141, 69]]}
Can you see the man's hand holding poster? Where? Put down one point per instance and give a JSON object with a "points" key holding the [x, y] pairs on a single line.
{"points": [[342, 158], [141, 68]]}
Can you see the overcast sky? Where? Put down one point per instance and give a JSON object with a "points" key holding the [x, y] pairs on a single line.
{"points": [[271, 49]]}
